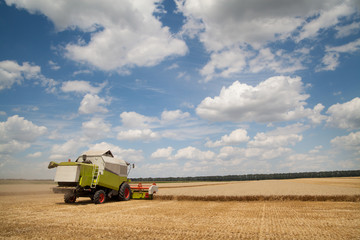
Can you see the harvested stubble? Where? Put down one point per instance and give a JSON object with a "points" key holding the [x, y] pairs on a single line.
{"points": [[45, 216], [321, 198], [33, 212]]}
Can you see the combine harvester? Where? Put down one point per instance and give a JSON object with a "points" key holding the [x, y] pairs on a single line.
{"points": [[100, 176]]}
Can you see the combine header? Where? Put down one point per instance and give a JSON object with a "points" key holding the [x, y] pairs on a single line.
{"points": [[140, 191], [100, 176]]}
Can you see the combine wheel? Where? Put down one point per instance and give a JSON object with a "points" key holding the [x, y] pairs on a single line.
{"points": [[69, 197], [99, 197], [124, 192]]}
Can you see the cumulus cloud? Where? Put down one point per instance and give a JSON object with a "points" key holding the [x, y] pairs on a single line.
{"points": [[138, 134], [124, 33], [96, 128], [168, 116], [225, 25], [278, 98], [345, 115], [192, 153], [136, 120], [162, 153], [68, 149], [17, 134], [129, 155], [227, 31], [226, 62], [235, 137], [93, 104], [349, 142], [19, 129], [81, 87], [13, 73]]}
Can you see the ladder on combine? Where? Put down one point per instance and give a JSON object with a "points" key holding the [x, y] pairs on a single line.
{"points": [[95, 176]]}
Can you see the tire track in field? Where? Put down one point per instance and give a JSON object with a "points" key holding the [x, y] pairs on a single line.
{"points": [[262, 223]]}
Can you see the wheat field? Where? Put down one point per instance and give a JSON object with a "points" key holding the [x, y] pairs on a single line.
{"points": [[31, 211]]}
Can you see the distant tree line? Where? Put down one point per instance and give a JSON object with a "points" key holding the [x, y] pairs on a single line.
{"points": [[250, 177]]}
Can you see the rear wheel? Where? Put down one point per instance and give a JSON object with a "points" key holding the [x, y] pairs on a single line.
{"points": [[99, 197], [124, 192], [69, 197]]}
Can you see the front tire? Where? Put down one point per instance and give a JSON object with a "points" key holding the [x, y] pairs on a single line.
{"points": [[99, 197], [69, 197], [124, 192]]}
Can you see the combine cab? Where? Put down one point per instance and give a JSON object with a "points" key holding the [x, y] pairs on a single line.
{"points": [[100, 176]]}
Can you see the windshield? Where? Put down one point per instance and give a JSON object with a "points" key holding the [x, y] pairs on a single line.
{"points": [[85, 159]]}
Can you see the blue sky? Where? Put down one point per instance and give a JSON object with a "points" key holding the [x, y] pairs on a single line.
{"points": [[180, 88]]}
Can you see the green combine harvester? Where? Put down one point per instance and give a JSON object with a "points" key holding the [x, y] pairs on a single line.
{"points": [[100, 176]]}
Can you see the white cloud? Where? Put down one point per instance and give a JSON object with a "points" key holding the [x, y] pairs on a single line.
{"points": [[227, 32], [227, 62], [331, 59], [326, 19], [265, 146], [279, 62], [124, 33], [81, 87], [316, 149], [34, 155], [54, 65], [192, 153], [19, 129], [13, 146], [93, 104], [349, 142], [173, 66], [162, 153], [68, 150], [273, 141], [276, 99], [130, 155], [18, 134], [232, 61], [316, 117], [12, 73], [329, 62], [306, 162], [168, 116], [96, 128], [233, 23], [137, 134], [347, 30], [279, 137], [235, 137], [345, 115], [136, 120]]}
